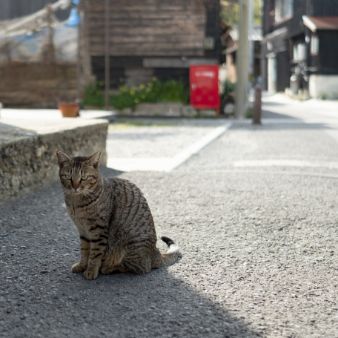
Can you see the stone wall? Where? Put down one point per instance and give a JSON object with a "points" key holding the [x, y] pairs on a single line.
{"points": [[30, 161]]}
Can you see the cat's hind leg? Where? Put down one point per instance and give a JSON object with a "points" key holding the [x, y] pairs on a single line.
{"points": [[136, 264], [112, 261]]}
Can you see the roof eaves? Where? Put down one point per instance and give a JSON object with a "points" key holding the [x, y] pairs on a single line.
{"points": [[309, 23]]}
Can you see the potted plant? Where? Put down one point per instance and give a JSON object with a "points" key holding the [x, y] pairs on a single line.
{"points": [[69, 107]]}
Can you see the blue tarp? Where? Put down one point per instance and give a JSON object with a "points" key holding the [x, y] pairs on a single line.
{"points": [[30, 47]]}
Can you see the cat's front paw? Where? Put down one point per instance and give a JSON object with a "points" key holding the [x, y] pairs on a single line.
{"points": [[90, 274], [78, 267]]}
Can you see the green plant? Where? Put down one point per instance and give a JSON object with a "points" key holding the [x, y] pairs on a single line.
{"points": [[249, 113], [230, 12], [228, 88], [151, 92], [93, 96], [129, 97], [125, 98]]}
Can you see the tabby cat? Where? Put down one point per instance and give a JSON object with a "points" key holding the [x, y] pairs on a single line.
{"points": [[112, 216]]}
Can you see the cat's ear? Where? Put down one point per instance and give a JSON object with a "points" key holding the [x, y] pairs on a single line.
{"points": [[62, 157], [94, 159]]}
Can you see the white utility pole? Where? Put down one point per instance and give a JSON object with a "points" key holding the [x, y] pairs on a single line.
{"points": [[106, 54], [242, 63], [250, 36]]}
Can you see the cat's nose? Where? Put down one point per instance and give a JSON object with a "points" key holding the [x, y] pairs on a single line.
{"points": [[75, 184]]}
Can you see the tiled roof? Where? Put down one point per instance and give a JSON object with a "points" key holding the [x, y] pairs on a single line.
{"points": [[315, 23]]}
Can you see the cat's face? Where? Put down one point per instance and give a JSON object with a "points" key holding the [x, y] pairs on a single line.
{"points": [[79, 175]]}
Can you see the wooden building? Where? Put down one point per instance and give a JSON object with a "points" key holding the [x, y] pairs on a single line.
{"points": [[300, 46], [40, 82], [150, 38]]}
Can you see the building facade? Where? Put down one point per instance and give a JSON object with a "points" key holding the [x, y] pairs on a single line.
{"points": [[300, 46], [151, 38]]}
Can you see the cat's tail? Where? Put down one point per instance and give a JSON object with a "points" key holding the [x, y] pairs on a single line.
{"points": [[172, 255]]}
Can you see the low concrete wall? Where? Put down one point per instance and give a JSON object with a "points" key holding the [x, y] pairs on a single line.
{"points": [[167, 110], [323, 86], [29, 161]]}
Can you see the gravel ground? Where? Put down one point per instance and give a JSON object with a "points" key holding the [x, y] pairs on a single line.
{"points": [[259, 250], [153, 138]]}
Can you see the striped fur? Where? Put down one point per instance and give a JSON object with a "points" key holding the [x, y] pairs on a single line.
{"points": [[112, 216]]}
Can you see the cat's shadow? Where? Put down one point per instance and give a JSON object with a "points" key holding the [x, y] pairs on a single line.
{"points": [[150, 305]]}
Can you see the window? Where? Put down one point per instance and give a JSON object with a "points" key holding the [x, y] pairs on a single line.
{"points": [[299, 52], [314, 45], [283, 10]]}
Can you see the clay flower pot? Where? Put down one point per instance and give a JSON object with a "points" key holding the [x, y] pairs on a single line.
{"points": [[69, 109]]}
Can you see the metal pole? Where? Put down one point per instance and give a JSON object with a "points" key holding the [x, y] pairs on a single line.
{"points": [[79, 73], [257, 112], [106, 56], [242, 64]]}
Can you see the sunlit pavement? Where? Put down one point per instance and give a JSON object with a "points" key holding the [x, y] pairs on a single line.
{"points": [[159, 144], [255, 214]]}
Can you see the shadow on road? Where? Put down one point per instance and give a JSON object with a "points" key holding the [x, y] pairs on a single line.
{"points": [[269, 114], [40, 296]]}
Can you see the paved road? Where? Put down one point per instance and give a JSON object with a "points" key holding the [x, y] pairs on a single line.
{"points": [[257, 224], [154, 144]]}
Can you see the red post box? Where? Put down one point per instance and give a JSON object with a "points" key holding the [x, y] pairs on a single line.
{"points": [[204, 87]]}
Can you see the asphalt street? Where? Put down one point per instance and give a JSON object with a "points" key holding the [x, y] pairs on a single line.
{"points": [[255, 214]]}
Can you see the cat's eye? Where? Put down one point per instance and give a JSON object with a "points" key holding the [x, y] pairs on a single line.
{"points": [[65, 177], [84, 178]]}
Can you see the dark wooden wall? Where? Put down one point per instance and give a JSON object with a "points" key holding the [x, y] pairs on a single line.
{"points": [[283, 70], [148, 27], [328, 52], [322, 7], [267, 16], [119, 71]]}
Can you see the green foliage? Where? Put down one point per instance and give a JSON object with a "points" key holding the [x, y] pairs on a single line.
{"points": [[128, 97], [258, 12], [228, 88], [93, 96], [230, 12], [249, 113], [151, 92]]}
